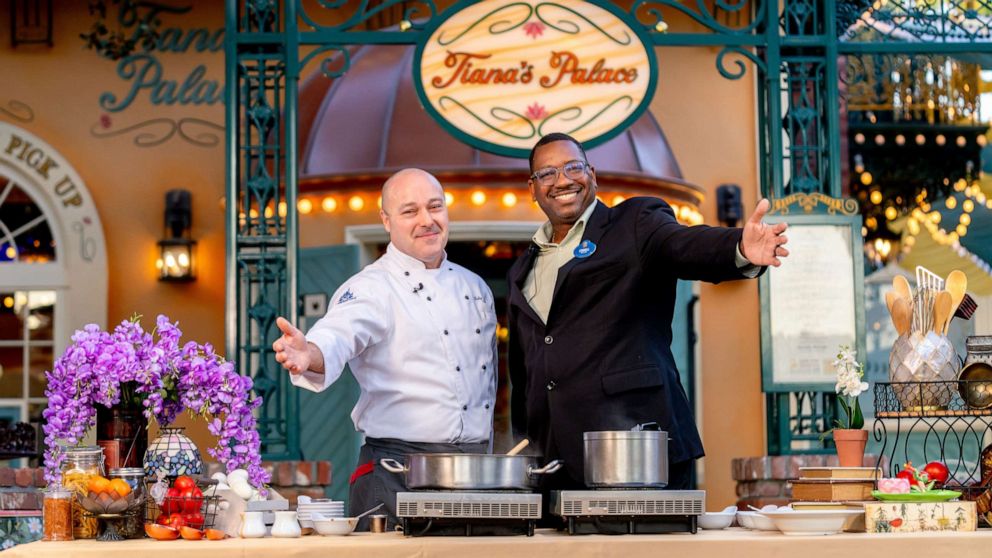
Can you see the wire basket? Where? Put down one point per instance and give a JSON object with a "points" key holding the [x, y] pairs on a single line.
{"points": [[200, 513]]}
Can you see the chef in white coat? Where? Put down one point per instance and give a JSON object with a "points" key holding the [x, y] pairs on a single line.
{"points": [[419, 333]]}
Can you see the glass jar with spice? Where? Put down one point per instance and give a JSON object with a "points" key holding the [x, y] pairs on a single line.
{"points": [[81, 465], [134, 519], [57, 514]]}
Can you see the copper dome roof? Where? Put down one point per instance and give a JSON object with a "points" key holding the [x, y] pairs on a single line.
{"points": [[358, 129]]}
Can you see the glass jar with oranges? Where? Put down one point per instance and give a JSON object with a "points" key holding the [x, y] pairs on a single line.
{"points": [[134, 522], [82, 465]]}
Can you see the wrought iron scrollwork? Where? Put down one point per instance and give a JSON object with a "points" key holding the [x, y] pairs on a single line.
{"points": [[702, 14], [335, 64], [729, 55], [946, 21], [416, 14]]}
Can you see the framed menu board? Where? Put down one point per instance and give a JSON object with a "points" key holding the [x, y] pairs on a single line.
{"points": [[813, 303]]}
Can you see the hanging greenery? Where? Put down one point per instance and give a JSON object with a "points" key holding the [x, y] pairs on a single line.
{"points": [[121, 41]]}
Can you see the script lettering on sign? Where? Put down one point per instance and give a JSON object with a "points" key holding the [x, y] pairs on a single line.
{"points": [[502, 74]]}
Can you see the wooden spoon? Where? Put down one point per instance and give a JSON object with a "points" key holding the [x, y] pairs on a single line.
{"points": [[941, 310], [901, 315], [517, 448], [956, 284], [901, 285], [890, 299]]}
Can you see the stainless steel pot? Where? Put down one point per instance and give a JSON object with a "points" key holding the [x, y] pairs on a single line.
{"points": [[470, 471], [626, 458]]}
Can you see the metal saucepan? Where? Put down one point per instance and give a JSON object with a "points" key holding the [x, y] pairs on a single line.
{"points": [[470, 471], [626, 458]]}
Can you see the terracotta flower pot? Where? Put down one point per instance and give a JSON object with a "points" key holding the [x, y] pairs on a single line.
{"points": [[850, 446]]}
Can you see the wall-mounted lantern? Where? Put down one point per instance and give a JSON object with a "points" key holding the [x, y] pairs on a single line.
{"points": [[177, 249]]}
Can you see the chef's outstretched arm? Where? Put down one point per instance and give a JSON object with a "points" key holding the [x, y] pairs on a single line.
{"points": [[294, 352]]}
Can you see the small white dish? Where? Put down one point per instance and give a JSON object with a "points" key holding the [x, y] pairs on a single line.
{"points": [[812, 522], [333, 525], [756, 521], [716, 520]]}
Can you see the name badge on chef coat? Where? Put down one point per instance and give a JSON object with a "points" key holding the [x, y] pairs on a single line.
{"points": [[585, 249]]}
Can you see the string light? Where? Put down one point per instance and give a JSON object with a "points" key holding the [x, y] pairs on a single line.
{"points": [[449, 199], [305, 206], [478, 197], [875, 197], [328, 204], [356, 203], [509, 199]]}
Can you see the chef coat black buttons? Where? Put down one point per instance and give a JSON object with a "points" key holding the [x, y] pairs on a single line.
{"points": [[428, 299], [458, 369], [483, 366], [445, 332], [464, 407], [487, 405], [477, 330], [547, 340], [466, 297], [551, 385], [407, 273]]}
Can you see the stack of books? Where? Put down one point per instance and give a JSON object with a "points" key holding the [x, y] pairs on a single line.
{"points": [[841, 485]]}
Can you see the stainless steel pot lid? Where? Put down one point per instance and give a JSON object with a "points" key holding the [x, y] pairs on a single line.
{"points": [[625, 435]]}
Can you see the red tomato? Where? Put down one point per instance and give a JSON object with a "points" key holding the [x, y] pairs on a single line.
{"points": [[163, 519], [937, 471], [194, 520], [173, 502], [192, 500], [184, 483], [176, 520], [904, 474]]}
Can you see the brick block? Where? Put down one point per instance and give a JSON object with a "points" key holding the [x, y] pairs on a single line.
{"points": [[323, 473], [284, 473], [304, 473], [24, 477], [39, 477], [6, 476], [762, 489], [14, 499]]}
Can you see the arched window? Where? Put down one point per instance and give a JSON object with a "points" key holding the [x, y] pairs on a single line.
{"points": [[29, 300]]}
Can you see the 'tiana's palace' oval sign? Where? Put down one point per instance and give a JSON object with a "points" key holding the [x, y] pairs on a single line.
{"points": [[499, 74]]}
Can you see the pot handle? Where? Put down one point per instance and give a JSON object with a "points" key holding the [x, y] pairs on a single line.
{"points": [[551, 467], [392, 465]]}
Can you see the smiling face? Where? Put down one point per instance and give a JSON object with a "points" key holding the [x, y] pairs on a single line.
{"points": [[564, 200], [415, 215]]}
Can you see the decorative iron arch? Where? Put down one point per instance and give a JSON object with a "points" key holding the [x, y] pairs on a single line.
{"points": [[792, 45]]}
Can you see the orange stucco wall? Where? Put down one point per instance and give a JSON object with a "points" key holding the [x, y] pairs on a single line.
{"points": [[708, 120]]}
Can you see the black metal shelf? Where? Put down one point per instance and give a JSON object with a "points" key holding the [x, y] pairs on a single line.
{"points": [[953, 422]]}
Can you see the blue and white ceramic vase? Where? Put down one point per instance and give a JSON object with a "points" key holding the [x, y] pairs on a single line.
{"points": [[173, 453]]}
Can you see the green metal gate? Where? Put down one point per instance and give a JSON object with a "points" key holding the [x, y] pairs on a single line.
{"points": [[793, 46]]}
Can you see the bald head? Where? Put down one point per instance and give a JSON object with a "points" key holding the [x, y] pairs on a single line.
{"points": [[401, 182], [415, 215]]}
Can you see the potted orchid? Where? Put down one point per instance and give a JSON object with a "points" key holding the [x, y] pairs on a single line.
{"points": [[129, 364], [849, 435]]}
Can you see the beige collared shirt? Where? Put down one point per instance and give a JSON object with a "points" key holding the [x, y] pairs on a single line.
{"points": [[539, 286]]}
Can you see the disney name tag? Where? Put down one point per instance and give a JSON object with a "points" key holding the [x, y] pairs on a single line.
{"points": [[585, 249]]}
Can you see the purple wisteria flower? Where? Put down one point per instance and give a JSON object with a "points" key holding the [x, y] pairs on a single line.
{"points": [[167, 378]]}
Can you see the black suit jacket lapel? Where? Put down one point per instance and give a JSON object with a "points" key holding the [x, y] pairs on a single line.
{"points": [[593, 232]]}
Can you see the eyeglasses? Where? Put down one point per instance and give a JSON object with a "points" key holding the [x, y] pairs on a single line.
{"points": [[573, 170]]}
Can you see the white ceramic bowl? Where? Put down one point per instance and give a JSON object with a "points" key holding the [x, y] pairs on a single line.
{"points": [[756, 521], [335, 525], [716, 520], [812, 522]]}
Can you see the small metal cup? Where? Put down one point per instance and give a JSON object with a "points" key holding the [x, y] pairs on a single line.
{"points": [[377, 523]]}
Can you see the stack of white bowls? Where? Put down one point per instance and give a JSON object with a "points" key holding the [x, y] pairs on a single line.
{"points": [[325, 507]]}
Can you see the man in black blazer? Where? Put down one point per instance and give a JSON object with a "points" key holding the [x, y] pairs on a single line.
{"points": [[590, 311]]}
